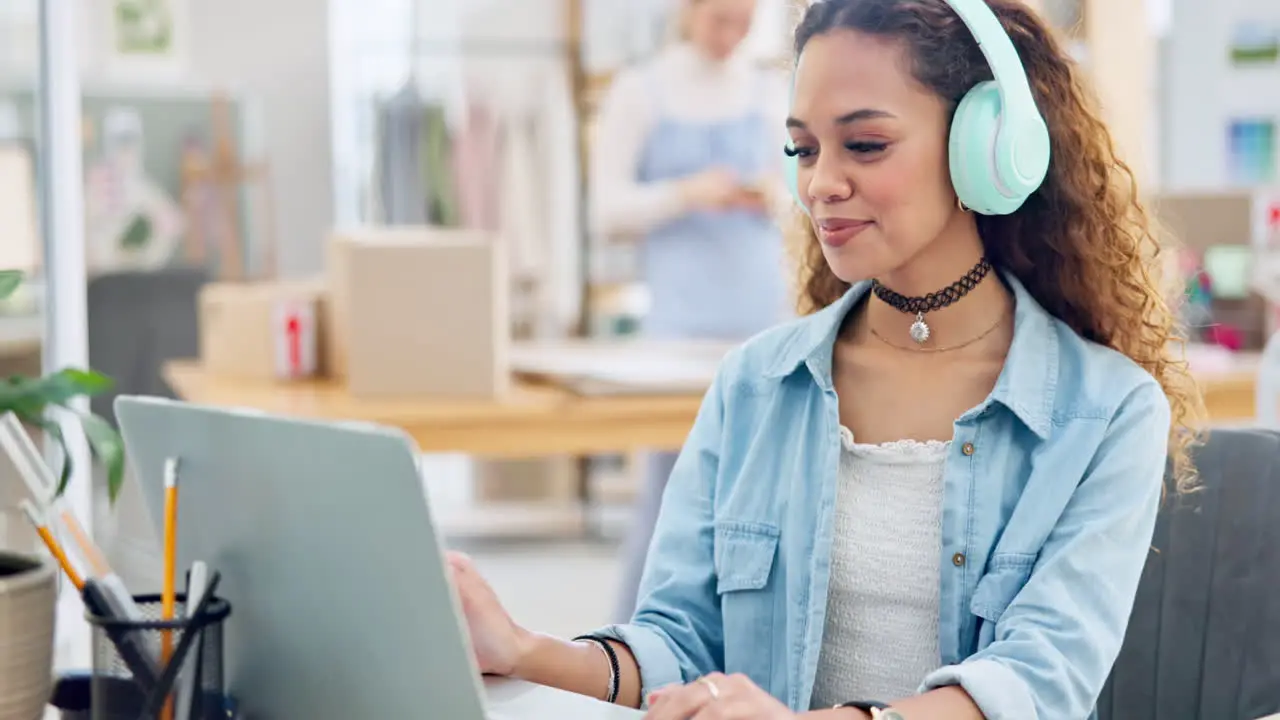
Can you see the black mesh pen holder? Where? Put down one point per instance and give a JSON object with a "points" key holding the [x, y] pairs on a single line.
{"points": [[133, 681]]}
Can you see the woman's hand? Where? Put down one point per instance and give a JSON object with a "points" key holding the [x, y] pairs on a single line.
{"points": [[714, 189], [716, 697], [495, 638], [752, 200]]}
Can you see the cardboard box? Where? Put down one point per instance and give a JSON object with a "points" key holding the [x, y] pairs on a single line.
{"points": [[263, 331], [1202, 220], [419, 311]]}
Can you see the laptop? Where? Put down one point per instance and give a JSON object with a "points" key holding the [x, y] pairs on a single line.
{"points": [[340, 603]]}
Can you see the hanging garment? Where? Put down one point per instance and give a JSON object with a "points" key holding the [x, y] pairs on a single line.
{"points": [[401, 190], [523, 225], [476, 168], [436, 160], [415, 161]]}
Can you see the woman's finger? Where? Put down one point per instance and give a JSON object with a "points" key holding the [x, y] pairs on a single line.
{"points": [[682, 703], [679, 704], [732, 709]]}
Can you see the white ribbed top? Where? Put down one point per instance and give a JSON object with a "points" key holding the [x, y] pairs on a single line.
{"points": [[881, 633]]}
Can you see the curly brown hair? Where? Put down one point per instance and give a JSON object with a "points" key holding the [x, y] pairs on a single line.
{"points": [[1083, 245]]}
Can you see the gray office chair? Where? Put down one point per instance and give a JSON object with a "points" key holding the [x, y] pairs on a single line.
{"points": [[138, 321], [1204, 638]]}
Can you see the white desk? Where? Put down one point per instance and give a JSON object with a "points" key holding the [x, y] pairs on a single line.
{"points": [[517, 700]]}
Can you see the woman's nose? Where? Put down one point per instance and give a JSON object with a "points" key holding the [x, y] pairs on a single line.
{"points": [[827, 184]]}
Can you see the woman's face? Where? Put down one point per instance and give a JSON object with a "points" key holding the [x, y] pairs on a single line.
{"points": [[872, 146], [717, 27]]}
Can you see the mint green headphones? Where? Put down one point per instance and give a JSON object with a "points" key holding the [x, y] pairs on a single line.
{"points": [[999, 144]]}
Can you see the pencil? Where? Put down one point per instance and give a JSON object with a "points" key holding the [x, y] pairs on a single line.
{"points": [[168, 598], [55, 549], [88, 550]]}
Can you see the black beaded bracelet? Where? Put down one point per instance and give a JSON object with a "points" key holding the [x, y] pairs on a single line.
{"points": [[863, 705], [869, 706], [614, 670]]}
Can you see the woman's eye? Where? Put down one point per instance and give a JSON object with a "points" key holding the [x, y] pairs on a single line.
{"points": [[866, 148], [797, 151]]}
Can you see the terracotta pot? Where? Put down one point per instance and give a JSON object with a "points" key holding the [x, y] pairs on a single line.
{"points": [[28, 604]]}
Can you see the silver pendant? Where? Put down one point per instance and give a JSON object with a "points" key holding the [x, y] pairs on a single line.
{"points": [[920, 329]]}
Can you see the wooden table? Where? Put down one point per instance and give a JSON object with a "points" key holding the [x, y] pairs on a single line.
{"points": [[1229, 395], [535, 421], [541, 421]]}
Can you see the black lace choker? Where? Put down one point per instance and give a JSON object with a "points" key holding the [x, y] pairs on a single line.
{"points": [[918, 306]]}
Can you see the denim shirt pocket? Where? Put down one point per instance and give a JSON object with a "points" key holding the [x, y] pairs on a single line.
{"points": [[1007, 574], [744, 555]]}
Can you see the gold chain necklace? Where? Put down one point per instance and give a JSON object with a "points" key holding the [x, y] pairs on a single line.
{"points": [[949, 348]]}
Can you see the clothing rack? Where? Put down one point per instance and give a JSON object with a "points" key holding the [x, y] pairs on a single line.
{"points": [[570, 50], [415, 56], [555, 279]]}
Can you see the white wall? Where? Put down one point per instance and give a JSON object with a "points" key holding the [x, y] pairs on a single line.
{"points": [[1202, 91], [277, 50]]}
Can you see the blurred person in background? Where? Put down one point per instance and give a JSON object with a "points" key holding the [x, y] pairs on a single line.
{"points": [[686, 161]]}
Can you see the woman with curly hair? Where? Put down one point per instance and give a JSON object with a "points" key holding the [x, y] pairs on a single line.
{"points": [[932, 497]]}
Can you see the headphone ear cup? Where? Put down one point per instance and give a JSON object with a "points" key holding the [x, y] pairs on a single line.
{"points": [[972, 152]]}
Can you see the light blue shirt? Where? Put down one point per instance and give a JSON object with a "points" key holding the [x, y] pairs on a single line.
{"points": [[1051, 490]]}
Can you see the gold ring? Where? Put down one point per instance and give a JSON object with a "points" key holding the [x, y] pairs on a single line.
{"points": [[711, 688]]}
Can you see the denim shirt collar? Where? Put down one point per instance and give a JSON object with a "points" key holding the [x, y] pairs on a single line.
{"points": [[1026, 385]]}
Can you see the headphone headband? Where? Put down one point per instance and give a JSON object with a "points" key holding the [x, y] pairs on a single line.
{"points": [[1001, 55]]}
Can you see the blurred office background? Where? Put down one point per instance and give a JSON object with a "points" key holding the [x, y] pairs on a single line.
{"points": [[174, 174]]}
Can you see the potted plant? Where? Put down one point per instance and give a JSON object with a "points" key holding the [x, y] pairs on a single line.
{"points": [[28, 582]]}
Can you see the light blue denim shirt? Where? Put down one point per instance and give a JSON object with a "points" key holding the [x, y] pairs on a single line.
{"points": [[1051, 491]]}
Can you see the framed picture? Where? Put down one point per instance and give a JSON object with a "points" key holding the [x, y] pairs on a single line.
{"points": [[1251, 151], [147, 37], [1255, 43]]}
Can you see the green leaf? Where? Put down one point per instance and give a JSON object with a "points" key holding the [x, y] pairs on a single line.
{"points": [[23, 396], [30, 396], [104, 442], [9, 282], [75, 383], [108, 447], [54, 431]]}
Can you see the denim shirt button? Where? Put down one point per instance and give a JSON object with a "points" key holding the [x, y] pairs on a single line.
{"points": [[967, 449], [958, 559]]}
